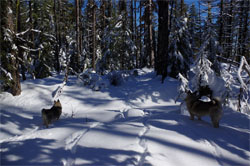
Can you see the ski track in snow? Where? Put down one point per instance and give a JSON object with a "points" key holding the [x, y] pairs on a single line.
{"points": [[124, 115], [36, 132], [217, 154], [71, 143], [214, 150], [142, 141]]}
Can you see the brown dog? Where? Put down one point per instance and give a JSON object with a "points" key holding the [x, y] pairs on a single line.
{"points": [[200, 108], [50, 115]]}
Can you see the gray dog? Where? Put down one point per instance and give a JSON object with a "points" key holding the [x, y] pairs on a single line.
{"points": [[200, 108], [50, 115]]}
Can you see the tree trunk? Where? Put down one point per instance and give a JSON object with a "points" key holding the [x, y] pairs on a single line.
{"points": [[221, 23], [59, 27], [18, 30], [132, 19], [31, 26], [136, 35], [200, 26], [77, 58], [80, 29], [163, 39], [245, 49], [229, 32], [57, 42], [15, 86], [94, 37], [140, 31], [182, 8], [150, 34]]}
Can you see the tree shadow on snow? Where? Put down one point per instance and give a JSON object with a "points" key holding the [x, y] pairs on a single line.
{"points": [[225, 137], [105, 157], [148, 89], [21, 119], [31, 152]]}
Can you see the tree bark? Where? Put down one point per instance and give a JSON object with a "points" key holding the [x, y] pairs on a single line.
{"points": [[163, 39], [57, 41], [150, 35], [94, 36], [132, 19], [77, 16], [182, 8], [15, 86], [18, 30], [221, 23], [245, 31], [136, 35], [140, 31]]}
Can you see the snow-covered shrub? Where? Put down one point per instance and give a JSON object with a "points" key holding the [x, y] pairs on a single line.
{"points": [[183, 87], [42, 70], [115, 78], [119, 49], [93, 80], [101, 81], [205, 76]]}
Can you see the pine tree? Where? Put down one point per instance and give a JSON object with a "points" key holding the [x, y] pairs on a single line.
{"points": [[193, 27], [180, 52], [210, 44], [9, 52], [119, 51]]}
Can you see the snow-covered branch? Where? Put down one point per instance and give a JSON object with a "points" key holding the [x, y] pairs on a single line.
{"points": [[57, 93], [243, 63], [183, 87], [30, 49], [244, 67], [6, 73], [22, 33]]}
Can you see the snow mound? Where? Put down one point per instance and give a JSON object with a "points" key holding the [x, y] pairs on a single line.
{"points": [[132, 113]]}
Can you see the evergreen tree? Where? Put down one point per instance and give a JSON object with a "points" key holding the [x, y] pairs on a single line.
{"points": [[10, 76], [180, 52], [193, 27], [119, 51]]}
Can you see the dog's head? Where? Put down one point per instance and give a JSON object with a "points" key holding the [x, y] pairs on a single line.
{"points": [[191, 96], [57, 103]]}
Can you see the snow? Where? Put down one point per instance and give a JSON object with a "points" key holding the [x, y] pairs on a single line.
{"points": [[9, 10], [136, 123], [22, 33], [242, 62]]}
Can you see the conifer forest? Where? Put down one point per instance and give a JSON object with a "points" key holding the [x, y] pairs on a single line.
{"points": [[124, 78], [41, 36]]}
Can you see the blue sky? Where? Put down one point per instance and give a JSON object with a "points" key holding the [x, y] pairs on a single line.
{"points": [[191, 1]]}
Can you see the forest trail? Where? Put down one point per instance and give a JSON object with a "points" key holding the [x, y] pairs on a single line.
{"points": [[135, 124]]}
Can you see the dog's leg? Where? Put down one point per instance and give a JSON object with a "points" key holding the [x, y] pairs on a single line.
{"points": [[215, 122], [191, 116], [46, 122]]}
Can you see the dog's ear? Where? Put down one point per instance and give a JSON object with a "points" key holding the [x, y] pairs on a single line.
{"points": [[188, 92], [58, 100]]}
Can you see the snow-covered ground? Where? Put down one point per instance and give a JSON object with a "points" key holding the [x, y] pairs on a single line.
{"points": [[137, 123]]}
